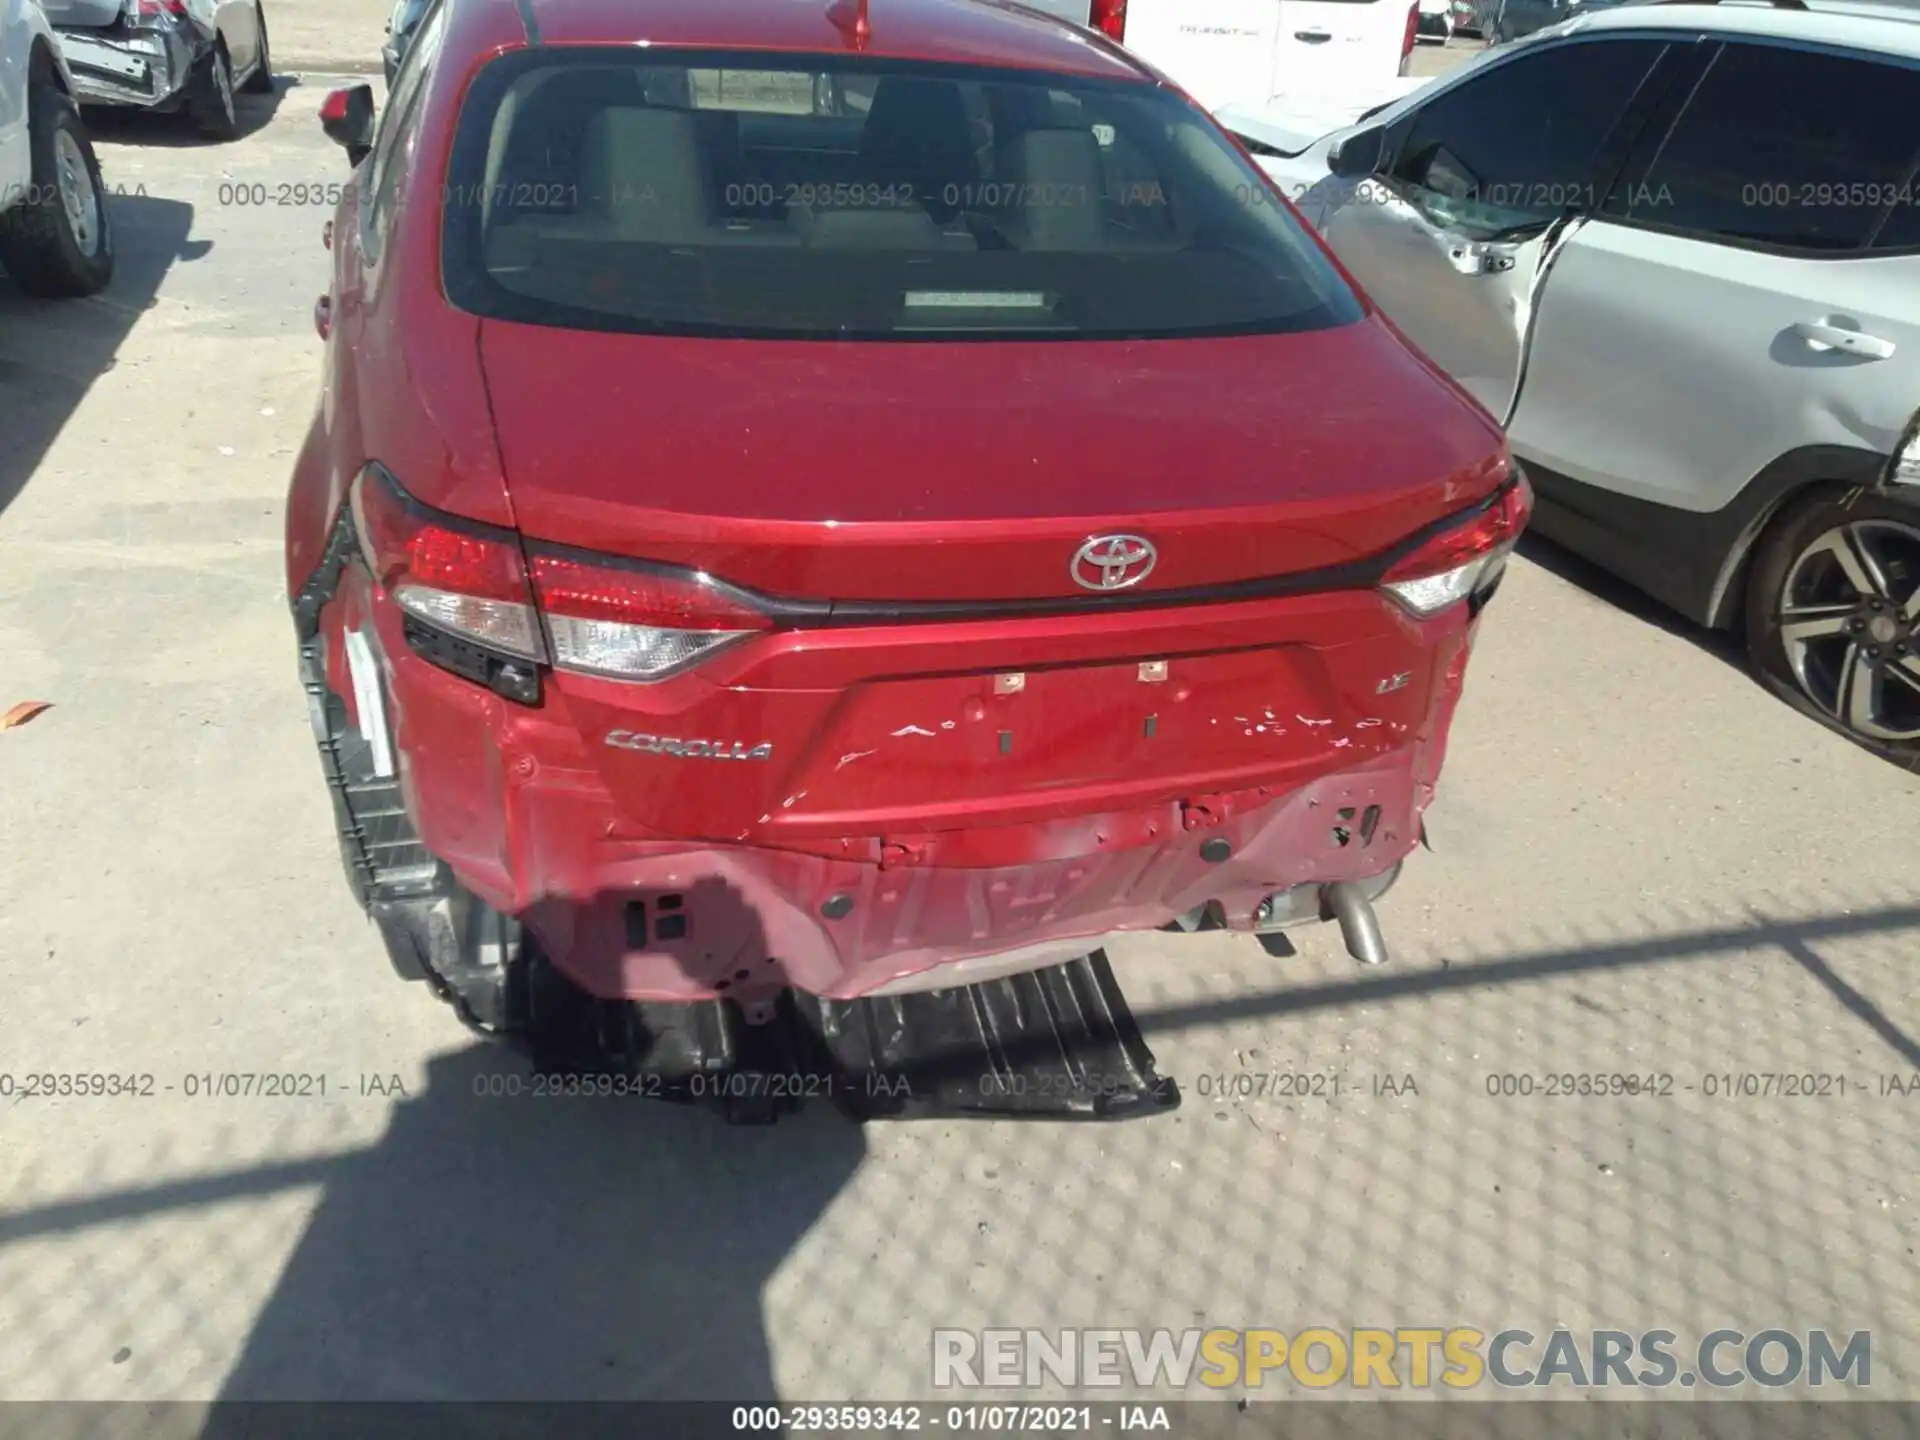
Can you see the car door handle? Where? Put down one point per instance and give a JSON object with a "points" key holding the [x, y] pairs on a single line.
{"points": [[1854, 342], [323, 316], [1313, 37], [1477, 257]]}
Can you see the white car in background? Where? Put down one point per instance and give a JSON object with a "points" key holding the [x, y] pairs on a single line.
{"points": [[54, 235], [1246, 52], [1675, 249]]}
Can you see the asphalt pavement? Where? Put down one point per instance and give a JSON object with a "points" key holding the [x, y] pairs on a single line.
{"points": [[333, 37], [1642, 866]]}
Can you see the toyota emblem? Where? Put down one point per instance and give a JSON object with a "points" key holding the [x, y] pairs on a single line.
{"points": [[1113, 562]]}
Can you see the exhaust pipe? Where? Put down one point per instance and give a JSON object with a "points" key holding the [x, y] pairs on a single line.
{"points": [[1308, 904], [1347, 902]]}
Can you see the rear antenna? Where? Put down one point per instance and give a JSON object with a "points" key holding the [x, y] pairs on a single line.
{"points": [[849, 17]]}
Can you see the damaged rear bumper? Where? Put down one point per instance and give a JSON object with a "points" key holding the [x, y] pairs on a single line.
{"points": [[955, 974], [473, 796], [688, 922], [144, 66]]}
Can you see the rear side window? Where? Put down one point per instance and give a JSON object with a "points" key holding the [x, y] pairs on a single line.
{"points": [[1785, 147], [1518, 145], [1902, 228], [848, 197]]}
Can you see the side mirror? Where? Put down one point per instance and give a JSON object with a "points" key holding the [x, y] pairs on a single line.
{"points": [[1357, 156], [347, 117]]}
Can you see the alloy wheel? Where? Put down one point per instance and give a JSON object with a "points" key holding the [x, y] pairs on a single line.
{"points": [[1849, 614]]}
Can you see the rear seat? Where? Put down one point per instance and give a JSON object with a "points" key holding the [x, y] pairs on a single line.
{"points": [[643, 179]]}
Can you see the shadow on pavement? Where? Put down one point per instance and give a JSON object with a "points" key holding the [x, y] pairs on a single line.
{"points": [[597, 1249], [51, 351], [1605, 586], [501, 1246], [513, 1238], [125, 125], [1727, 646]]}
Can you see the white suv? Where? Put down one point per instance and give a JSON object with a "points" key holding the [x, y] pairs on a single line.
{"points": [[1245, 52], [1676, 248], [54, 236]]}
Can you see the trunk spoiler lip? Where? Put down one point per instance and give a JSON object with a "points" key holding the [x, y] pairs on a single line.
{"points": [[1363, 574]]}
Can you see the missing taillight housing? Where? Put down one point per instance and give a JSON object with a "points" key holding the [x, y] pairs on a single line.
{"points": [[1109, 17], [1464, 560]]}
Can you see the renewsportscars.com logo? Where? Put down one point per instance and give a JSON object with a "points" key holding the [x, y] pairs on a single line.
{"points": [[1457, 1358]]}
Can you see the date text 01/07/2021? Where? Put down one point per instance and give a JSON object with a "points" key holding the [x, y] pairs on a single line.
{"points": [[1005, 1419], [196, 1085], [724, 1085]]}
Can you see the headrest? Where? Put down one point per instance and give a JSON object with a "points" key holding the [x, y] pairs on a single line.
{"points": [[1059, 189], [641, 175]]}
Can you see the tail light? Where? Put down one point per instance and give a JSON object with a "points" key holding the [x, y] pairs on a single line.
{"points": [[465, 578], [1109, 17], [476, 605], [1465, 560], [153, 9], [461, 588], [1412, 37], [604, 618]]}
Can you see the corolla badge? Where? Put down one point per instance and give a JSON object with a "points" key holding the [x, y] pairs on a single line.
{"points": [[689, 749], [1113, 562]]}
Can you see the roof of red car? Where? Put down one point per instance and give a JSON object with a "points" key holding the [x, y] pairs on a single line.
{"points": [[976, 32]]}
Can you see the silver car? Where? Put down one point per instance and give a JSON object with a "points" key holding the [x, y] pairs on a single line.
{"points": [[1675, 249], [164, 55]]}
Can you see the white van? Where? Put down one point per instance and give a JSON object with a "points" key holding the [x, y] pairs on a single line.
{"points": [[1246, 52]]}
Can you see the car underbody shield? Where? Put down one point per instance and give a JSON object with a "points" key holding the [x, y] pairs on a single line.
{"points": [[1057, 1044]]}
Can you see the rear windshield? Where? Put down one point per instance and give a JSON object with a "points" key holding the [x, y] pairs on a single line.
{"points": [[839, 197]]}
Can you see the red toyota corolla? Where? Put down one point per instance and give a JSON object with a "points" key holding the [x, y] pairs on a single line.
{"points": [[819, 513]]}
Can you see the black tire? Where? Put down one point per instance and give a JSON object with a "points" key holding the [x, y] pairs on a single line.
{"points": [[260, 82], [210, 99], [1854, 663], [44, 247]]}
